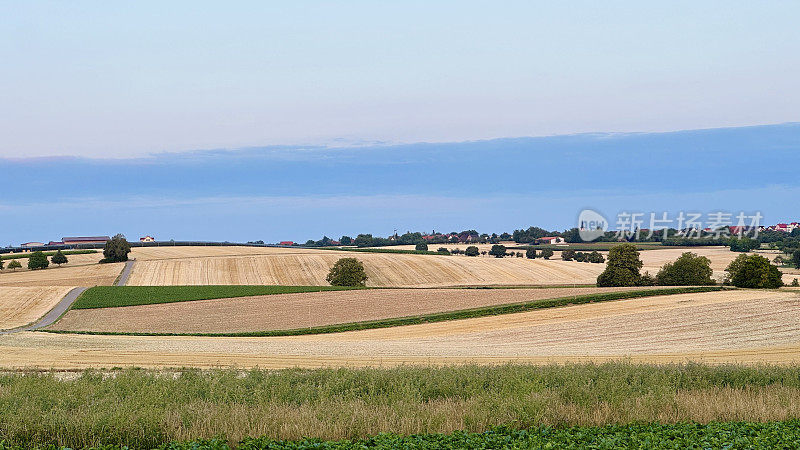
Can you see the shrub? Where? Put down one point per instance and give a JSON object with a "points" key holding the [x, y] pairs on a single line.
{"points": [[530, 253], [38, 261], [794, 282], [518, 255], [14, 265], [754, 272], [484, 253], [796, 259], [443, 251], [472, 251], [59, 258], [498, 251], [580, 256], [623, 267], [688, 270], [1, 264], [116, 250], [421, 247], [647, 280], [347, 272], [546, 253], [568, 255], [596, 257]]}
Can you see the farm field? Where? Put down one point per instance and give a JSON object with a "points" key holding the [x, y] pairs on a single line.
{"points": [[628, 403], [72, 274], [291, 311], [182, 252], [20, 306], [309, 267], [717, 327]]}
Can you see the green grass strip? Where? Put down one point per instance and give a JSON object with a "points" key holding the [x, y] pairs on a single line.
{"points": [[28, 255], [115, 296], [431, 318]]}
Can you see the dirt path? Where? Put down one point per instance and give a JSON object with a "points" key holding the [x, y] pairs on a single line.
{"points": [[52, 316], [126, 273]]}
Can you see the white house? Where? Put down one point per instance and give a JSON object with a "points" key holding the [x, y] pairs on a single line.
{"points": [[551, 240]]}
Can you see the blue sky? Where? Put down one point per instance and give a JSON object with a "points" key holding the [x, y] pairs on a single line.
{"points": [[287, 120]]}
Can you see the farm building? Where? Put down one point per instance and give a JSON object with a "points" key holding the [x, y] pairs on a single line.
{"points": [[551, 240], [147, 238], [286, 243], [32, 244], [77, 240]]}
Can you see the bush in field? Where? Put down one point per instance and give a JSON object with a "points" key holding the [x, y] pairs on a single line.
{"points": [[622, 268], [116, 250], [484, 253], [498, 251], [59, 258], [421, 247], [754, 272], [796, 259], [596, 257], [688, 270], [547, 253], [347, 272], [38, 260], [518, 255], [795, 283], [1, 264], [443, 251], [580, 256], [568, 255], [530, 253], [13, 265], [472, 251]]}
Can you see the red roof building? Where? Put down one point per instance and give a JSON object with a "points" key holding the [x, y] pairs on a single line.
{"points": [[286, 243], [75, 240]]}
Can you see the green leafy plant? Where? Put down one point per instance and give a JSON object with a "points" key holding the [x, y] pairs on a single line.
{"points": [[347, 272]]}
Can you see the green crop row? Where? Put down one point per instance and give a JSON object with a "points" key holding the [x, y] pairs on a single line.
{"points": [[114, 296]]}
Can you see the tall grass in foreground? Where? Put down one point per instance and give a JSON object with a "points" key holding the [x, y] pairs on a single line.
{"points": [[143, 408]]}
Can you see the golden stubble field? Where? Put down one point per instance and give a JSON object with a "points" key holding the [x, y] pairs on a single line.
{"points": [[288, 311], [716, 327], [21, 306]]}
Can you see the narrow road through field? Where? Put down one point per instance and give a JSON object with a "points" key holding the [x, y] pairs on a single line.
{"points": [[126, 273], [53, 315]]}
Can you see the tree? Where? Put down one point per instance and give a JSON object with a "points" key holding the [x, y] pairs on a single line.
{"points": [[472, 251], [754, 272], [346, 240], [568, 255], [744, 244], [59, 258], [38, 261], [580, 256], [310, 243], [421, 247], [796, 259], [116, 249], [688, 270], [443, 250], [1, 264], [347, 272], [546, 253], [595, 257], [622, 268], [363, 240], [498, 251], [14, 265], [530, 253]]}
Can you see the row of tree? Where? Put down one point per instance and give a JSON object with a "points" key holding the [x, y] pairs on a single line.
{"points": [[746, 271], [38, 260]]}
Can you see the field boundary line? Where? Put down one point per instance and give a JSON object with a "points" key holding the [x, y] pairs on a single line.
{"points": [[431, 318]]}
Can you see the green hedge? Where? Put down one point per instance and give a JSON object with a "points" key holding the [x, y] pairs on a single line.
{"points": [[114, 296]]}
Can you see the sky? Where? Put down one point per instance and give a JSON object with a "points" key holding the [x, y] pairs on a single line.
{"points": [[290, 120]]}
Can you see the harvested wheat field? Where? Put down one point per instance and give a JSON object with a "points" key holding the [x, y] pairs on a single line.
{"points": [[68, 275], [182, 252], [23, 305], [717, 327], [288, 311], [390, 270]]}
